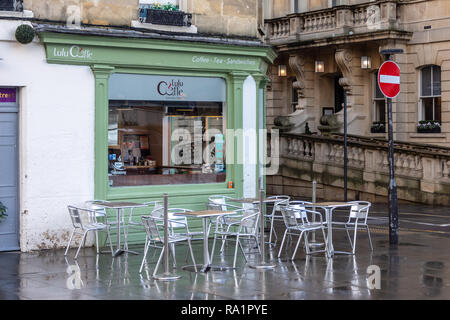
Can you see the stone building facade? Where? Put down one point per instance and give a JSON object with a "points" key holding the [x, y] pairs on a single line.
{"points": [[340, 33], [331, 46], [56, 99]]}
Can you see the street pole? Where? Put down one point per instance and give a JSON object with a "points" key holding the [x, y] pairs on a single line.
{"points": [[345, 145], [393, 199]]}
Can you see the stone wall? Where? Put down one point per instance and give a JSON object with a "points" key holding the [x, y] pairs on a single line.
{"points": [[228, 17], [422, 172], [101, 12], [222, 17]]}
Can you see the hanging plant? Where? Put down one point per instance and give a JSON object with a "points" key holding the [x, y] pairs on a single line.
{"points": [[25, 34], [3, 214]]}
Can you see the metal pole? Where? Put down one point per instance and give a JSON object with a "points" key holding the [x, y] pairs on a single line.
{"points": [[167, 276], [393, 200], [313, 242], [345, 145], [262, 264]]}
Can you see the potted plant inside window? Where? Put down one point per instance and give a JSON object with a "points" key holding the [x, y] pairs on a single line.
{"points": [[3, 210], [378, 127], [429, 126]]}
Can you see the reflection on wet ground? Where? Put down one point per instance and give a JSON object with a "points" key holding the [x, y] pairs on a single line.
{"points": [[417, 269]]}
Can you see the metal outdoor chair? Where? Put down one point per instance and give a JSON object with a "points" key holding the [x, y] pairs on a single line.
{"points": [[137, 225], [299, 224], [224, 203], [178, 225], [357, 219], [83, 228], [273, 216], [247, 229], [154, 228]]}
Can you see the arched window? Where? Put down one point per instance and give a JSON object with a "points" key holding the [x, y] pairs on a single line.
{"points": [[430, 94]]}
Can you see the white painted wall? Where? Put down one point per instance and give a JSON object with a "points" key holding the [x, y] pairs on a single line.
{"points": [[250, 137], [56, 138]]}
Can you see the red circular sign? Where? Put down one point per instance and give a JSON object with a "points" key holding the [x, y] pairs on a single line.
{"points": [[389, 79]]}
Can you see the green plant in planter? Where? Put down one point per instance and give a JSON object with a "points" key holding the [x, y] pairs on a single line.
{"points": [[429, 126], [25, 34], [167, 7], [3, 210]]}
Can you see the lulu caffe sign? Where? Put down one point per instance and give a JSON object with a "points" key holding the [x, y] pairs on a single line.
{"points": [[8, 95], [74, 51]]}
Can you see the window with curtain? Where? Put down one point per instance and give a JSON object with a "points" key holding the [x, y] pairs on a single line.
{"points": [[430, 94]]}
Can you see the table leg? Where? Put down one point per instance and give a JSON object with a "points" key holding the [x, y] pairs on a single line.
{"points": [[330, 233], [119, 250], [206, 261]]}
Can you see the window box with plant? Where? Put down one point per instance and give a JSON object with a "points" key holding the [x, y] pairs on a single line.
{"points": [[3, 210], [378, 127], [167, 14], [429, 126]]}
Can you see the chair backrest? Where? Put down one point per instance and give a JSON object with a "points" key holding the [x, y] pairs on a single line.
{"points": [[280, 201], [360, 210], [299, 208], [223, 202], [249, 221], [153, 228], [97, 205], [159, 213], [290, 216], [75, 217]]}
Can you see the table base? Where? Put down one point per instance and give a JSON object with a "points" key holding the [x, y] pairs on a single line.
{"points": [[263, 266], [166, 277]]}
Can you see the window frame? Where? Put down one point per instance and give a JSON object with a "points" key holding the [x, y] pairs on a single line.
{"points": [[421, 111], [375, 114]]}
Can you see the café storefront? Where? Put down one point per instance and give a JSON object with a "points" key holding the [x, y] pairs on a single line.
{"points": [[171, 114]]}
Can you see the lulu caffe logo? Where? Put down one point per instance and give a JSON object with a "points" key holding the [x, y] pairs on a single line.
{"points": [[173, 88], [74, 52]]}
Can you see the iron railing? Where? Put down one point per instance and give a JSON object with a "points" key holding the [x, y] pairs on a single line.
{"points": [[11, 5], [165, 17]]}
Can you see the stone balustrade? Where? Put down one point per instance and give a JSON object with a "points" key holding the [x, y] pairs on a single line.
{"points": [[332, 22], [422, 171]]}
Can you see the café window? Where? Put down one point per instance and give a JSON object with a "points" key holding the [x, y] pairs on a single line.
{"points": [[430, 93], [166, 130]]}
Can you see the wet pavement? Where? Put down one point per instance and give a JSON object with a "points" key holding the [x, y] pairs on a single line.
{"points": [[417, 269]]}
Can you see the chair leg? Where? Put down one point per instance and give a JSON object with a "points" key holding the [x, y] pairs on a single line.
{"points": [[282, 243], [348, 236], [224, 238], [235, 251], [108, 235], [172, 249], [81, 244], [307, 243], [354, 237], [325, 239], [192, 255], [296, 247], [159, 261], [213, 248], [242, 249], [70, 240], [370, 238], [145, 256], [96, 241]]}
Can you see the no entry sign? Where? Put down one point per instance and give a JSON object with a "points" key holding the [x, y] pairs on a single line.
{"points": [[389, 79]]}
